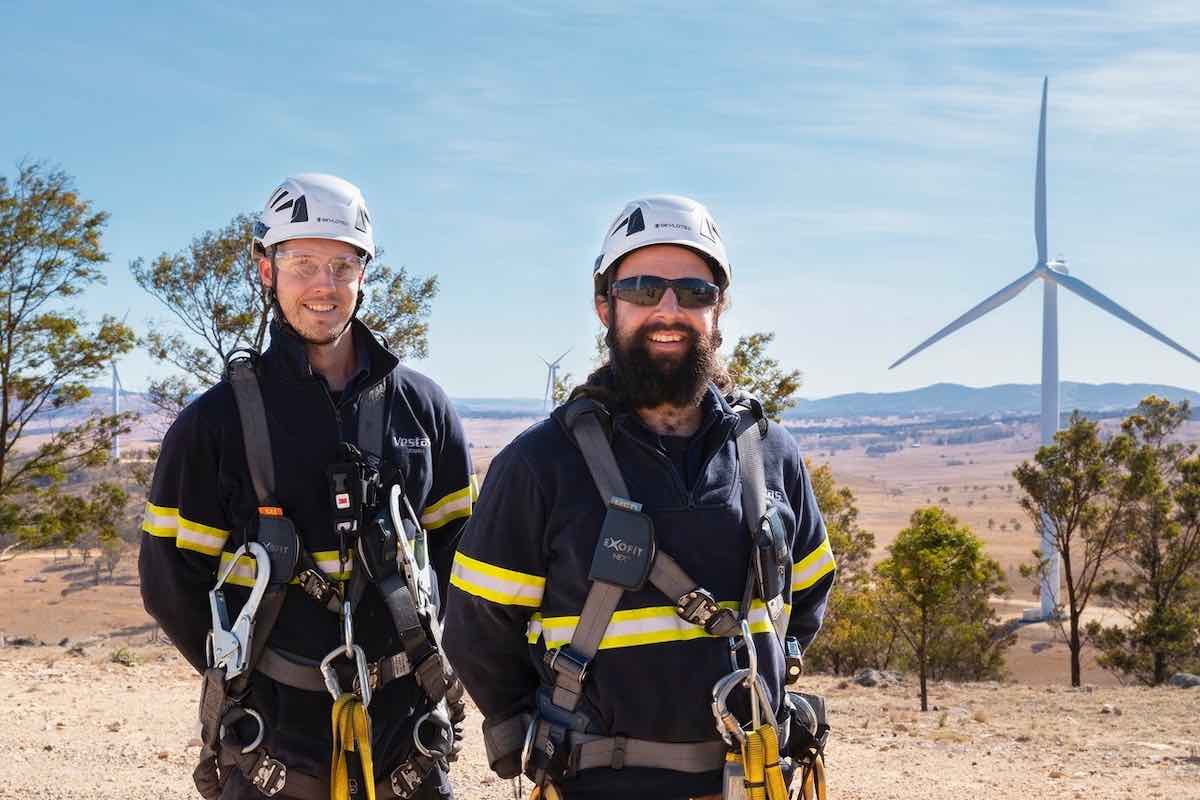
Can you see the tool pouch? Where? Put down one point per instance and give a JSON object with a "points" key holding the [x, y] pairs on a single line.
{"points": [[770, 557], [625, 550], [809, 727]]}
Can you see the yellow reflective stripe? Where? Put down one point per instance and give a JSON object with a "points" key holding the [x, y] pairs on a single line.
{"points": [[451, 507], [246, 569], [639, 626], [497, 584], [474, 486], [330, 563], [166, 523], [813, 566]]}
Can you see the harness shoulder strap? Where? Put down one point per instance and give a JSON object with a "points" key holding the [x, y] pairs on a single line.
{"points": [[752, 427], [256, 436], [372, 416]]}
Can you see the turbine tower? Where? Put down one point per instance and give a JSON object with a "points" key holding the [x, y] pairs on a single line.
{"points": [[551, 377], [1053, 274], [116, 409]]}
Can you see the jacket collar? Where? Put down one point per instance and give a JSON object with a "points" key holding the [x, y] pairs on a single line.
{"points": [[288, 355], [718, 419]]}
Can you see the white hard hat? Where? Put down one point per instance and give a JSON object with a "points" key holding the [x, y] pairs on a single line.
{"points": [[664, 219], [315, 206]]}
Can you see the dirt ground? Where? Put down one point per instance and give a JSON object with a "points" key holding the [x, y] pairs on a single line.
{"points": [[84, 726]]}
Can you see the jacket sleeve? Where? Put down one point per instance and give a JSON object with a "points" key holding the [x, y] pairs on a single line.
{"points": [[453, 494], [496, 588], [183, 535], [813, 565]]}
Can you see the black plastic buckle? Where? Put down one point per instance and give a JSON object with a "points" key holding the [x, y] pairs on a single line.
{"points": [[793, 660], [270, 775], [565, 661], [699, 607]]}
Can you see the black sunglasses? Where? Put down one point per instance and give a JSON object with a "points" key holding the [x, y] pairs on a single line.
{"points": [[647, 290]]}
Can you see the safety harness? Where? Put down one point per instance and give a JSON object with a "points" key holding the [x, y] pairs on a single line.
{"points": [[386, 559], [554, 741]]}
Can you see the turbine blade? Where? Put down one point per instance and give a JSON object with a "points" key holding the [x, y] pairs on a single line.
{"points": [[998, 299], [1097, 299], [1039, 201], [564, 355]]}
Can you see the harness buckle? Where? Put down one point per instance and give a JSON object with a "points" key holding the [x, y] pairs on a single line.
{"points": [[270, 775], [406, 779], [566, 661], [699, 607], [316, 585]]}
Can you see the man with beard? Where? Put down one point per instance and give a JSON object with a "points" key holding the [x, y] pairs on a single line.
{"points": [[612, 565], [274, 486]]}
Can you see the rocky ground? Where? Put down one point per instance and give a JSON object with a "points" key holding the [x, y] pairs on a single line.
{"points": [[113, 720]]}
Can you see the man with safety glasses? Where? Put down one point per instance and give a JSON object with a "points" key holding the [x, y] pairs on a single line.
{"points": [[632, 551], [300, 529]]}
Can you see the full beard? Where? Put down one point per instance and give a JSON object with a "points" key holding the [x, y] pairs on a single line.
{"points": [[648, 382]]}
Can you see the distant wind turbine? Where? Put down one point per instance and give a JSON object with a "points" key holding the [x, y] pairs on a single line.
{"points": [[117, 388], [551, 378], [1053, 274]]}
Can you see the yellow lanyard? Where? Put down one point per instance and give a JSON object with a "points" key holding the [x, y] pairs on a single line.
{"points": [[760, 759], [351, 733]]}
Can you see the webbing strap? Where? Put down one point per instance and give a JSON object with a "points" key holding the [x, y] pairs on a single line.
{"points": [[255, 435], [371, 417], [750, 461], [598, 454], [618, 752]]}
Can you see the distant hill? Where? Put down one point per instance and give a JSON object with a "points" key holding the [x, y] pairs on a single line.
{"points": [[950, 399], [938, 400]]}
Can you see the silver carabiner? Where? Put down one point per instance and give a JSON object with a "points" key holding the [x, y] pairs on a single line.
{"points": [[230, 648], [752, 672], [348, 628], [334, 686]]}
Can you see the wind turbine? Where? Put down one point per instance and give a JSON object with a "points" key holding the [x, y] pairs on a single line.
{"points": [[552, 377], [1053, 274], [117, 388]]}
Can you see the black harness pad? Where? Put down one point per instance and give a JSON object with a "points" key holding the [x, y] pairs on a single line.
{"points": [[770, 556], [278, 535], [625, 551]]}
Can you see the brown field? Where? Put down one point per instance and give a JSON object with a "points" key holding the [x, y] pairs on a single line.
{"points": [[133, 725]]}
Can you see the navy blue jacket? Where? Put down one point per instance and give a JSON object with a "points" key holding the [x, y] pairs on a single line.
{"points": [[520, 580], [202, 500]]}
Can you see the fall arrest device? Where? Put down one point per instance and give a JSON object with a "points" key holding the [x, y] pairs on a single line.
{"points": [[391, 554], [555, 742]]}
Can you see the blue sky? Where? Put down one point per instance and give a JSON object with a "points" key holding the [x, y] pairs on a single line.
{"points": [[870, 167]]}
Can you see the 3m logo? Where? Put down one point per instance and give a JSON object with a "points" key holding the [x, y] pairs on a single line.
{"points": [[342, 500], [622, 551]]}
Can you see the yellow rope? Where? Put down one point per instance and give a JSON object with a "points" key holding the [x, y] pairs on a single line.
{"points": [[351, 733]]}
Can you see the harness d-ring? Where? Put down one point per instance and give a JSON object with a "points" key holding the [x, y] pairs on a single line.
{"points": [[250, 748], [442, 724]]}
